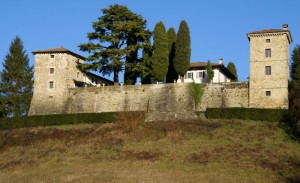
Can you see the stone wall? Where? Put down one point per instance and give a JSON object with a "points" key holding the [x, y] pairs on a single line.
{"points": [[224, 95], [160, 101]]}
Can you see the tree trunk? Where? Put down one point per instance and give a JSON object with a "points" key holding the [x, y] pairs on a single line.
{"points": [[182, 79], [116, 76]]}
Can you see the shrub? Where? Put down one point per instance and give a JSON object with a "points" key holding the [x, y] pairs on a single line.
{"points": [[248, 114], [57, 119], [196, 90], [130, 120]]}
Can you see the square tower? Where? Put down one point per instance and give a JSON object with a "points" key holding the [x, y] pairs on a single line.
{"points": [[269, 68], [55, 71]]}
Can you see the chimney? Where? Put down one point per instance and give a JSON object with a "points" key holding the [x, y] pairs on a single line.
{"points": [[285, 26], [221, 61]]}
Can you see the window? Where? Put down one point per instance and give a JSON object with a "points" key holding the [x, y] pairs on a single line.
{"points": [[51, 70], [267, 52], [268, 93], [52, 56], [268, 70], [51, 84], [268, 40], [204, 74], [190, 75], [199, 74]]}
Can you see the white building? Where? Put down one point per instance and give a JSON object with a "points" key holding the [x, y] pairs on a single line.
{"points": [[198, 73]]}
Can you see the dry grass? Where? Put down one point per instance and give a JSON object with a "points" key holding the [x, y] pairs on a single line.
{"points": [[133, 151]]}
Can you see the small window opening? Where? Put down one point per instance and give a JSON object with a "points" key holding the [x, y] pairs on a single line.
{"points": [[268, 93], [268, 70], [267, 52], [52, 56], [51, 84], [51, 70], [268, 40]]}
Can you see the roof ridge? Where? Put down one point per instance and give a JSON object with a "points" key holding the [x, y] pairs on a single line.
{"points": [[60, 49]]}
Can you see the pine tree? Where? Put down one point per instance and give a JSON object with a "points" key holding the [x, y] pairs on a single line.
{"points": [[160, 57], [16, 81], [210, 72], [231, 67], [117, 37], [171, 75], [182, 49]]}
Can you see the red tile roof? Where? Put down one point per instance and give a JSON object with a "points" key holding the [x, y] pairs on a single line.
{"points": [[58, 50]]}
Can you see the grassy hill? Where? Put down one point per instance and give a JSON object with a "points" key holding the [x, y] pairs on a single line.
{"points": [[182, 151]]}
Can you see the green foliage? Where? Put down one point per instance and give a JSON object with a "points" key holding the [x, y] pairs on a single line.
{"points": [[171, 75], [210, 72], [295, 68], [117, 37], [182, 49], [247, 114], [160, 56], [232, 69], [196, 90], [294, 88], [146, 73], [57, 119], [16, 81]]}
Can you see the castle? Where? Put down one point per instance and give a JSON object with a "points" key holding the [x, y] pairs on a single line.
{"points": [[57, 82]]}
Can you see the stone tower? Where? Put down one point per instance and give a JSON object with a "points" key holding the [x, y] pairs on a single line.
{"points": [[54, 72], [269, 68]]}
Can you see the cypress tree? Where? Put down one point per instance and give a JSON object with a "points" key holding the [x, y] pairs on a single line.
{"points": [[16, 81], [160, 57], [182, 49], [295, 67], [294, 91], [210, 72], [231, 67], [146, 74], [171, 75]]}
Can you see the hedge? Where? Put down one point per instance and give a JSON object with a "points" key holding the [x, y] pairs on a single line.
{"points": [[57, 119], [248, 114]]}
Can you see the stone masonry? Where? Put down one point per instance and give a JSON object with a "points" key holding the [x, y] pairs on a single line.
{"points": [[269, 68], [55, 91]]}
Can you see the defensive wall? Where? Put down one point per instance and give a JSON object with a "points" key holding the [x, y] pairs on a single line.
{"points": [[159, 101]]}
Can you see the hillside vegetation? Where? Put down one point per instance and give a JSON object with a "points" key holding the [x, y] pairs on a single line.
{"points": [[129, 151]]}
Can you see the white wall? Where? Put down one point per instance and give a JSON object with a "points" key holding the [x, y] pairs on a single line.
{"points": [[194, 76]]}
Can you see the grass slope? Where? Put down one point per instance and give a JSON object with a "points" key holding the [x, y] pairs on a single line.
{"points": [[194, 151]]}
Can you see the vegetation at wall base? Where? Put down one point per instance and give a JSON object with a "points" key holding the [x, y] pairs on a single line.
{"points": [[197, 91], [56, 119], [248, 114]]}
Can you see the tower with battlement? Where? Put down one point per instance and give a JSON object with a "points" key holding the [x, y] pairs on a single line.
{"points": [[269, 68]]}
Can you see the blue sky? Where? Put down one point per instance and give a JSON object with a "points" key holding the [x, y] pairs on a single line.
{"points": [[218, 27]]}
